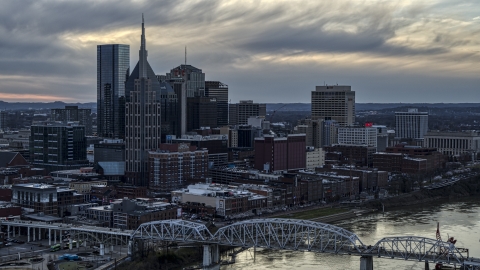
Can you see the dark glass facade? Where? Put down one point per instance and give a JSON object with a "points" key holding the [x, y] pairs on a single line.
{"points": [[219, 91], [58, 147], [113, 64]]}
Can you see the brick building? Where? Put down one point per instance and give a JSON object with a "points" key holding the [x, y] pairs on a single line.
{"points": [[173, 164], [349, 155], [277, 154]]}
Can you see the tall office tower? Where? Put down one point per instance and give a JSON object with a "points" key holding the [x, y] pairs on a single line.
{"points": [[113, 67], [335, 102], [73, 113], [142, 117], [201, 112], [170, 111], [193, 77], [218, 90], [240, 112], [187, 81], [411, 124]]}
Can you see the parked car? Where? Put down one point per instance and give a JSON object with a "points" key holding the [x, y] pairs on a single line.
{"points": [[8, 244]]}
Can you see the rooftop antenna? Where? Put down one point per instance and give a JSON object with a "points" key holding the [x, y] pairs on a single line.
{"points": [[185, 55]]}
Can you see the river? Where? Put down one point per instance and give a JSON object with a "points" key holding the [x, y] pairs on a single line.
{"points": [[460, 219]]}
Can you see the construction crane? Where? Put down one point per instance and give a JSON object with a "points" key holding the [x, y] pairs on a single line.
{"points": [[274, 111]]}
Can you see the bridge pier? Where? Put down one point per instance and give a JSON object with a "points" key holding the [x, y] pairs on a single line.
{"points": [[366, 263], [211, 255], [130, 248]]}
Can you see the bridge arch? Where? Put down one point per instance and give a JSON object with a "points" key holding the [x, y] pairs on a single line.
{"points": [[418, 248], [173, 230], [290, 234]]}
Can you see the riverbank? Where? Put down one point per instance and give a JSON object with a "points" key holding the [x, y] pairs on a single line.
{"points": [[463, 189]]}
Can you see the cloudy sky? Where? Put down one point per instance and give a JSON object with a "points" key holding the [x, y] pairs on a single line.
{"points": [[268, 51]]}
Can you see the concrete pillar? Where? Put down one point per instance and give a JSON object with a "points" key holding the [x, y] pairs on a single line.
{"points": [[54, 236], [78, 243], [111, 249], [49, 237], [28, 231], [8, 231], [33, 230], [70, 243], [207, 255], [216, 254], [366, 263], [102, 250], [427, 266], [39, 233], [130, 248]]}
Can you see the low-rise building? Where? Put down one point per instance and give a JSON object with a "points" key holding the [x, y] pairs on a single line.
{"points": [[454, 143], [225, 199], [129, 214], [38, 197]]}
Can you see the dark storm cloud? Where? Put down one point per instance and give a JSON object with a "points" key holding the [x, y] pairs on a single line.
{"points": [[52, 44]]}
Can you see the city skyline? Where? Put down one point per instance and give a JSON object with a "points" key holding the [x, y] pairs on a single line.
{"points": [[412, 51]]}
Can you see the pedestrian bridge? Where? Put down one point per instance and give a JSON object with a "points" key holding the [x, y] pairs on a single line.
{"points": [[274, 233]]}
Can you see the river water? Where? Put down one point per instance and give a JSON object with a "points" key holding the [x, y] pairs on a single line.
{"points": [[460, 219]]}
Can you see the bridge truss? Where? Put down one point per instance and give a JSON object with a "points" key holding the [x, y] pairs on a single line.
{"points": [[289, 234], [176, 230], [417, 248]]}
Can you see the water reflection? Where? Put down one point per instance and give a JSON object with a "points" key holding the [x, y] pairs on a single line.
{"points": [[458, 219]]}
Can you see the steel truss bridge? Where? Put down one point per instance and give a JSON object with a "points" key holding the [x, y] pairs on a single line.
{"points": [[303, 235], [276, 234]]}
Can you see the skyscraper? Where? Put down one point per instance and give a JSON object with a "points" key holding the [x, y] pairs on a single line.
{"points": [[142, 117], [219, 91], [201, 112], [113, 64], [170, 111], [187, 81], [411, 124], [334, 102]]}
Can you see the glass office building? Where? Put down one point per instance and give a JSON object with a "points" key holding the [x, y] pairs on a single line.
{"points": [[113, 64]]}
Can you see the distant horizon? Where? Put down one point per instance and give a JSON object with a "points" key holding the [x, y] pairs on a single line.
{"points": [[86, 102]]}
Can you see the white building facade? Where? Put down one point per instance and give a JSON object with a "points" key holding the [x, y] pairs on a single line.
{"points": [[454, 143], [357, 136], [411, 124]]}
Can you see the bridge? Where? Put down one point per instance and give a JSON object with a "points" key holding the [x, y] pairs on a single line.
{"points": [[276, 234]]}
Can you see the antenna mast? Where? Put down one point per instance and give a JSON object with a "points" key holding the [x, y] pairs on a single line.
{"points": [[185, 56]]}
